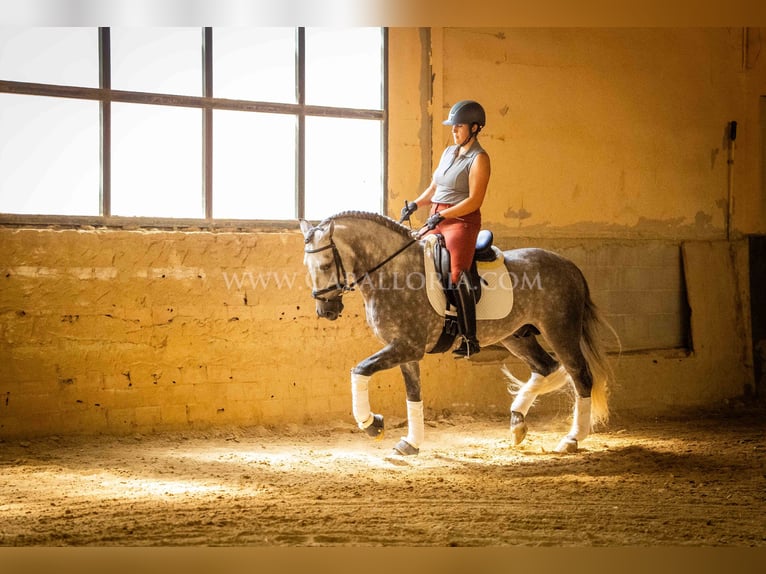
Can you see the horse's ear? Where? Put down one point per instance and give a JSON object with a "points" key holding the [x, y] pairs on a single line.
{"points": [[327, 228], [305, 228]]}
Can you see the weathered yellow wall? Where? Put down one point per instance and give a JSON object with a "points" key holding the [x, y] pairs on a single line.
{"points": [[609, 132], [607, 145]]}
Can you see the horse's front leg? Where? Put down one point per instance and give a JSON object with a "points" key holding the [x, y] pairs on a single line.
{"points": [[369, 422], [410, 445], [388, 357]]}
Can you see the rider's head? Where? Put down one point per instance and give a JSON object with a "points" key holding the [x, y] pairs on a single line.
{"points": [[469, 113]]}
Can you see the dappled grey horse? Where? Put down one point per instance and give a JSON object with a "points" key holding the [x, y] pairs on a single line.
{"points": [[371, 252]]}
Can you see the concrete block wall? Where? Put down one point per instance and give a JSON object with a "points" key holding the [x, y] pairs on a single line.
{"points": [[681, 310], [119, 331], [638, 285]]}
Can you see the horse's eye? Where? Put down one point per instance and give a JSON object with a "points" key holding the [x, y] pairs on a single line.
{"points": [[324, 267]]}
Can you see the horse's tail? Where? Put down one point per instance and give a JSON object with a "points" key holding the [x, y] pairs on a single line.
{"points": [[593, 348]]}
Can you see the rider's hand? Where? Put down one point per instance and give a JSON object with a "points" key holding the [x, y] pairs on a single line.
{"points": [[434, 220], [407, 210]]}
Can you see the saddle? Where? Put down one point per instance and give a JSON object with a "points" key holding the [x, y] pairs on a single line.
{"points": [[488, 277], [442, 263]]}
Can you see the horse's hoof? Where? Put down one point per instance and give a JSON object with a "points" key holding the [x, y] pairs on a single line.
{"points": [[405, 449], [518, 433], [566, 445], [518, 428], [376, 429]]}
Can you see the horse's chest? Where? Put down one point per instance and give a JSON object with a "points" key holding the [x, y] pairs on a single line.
{"points": [[374, 311], [378, 313]]}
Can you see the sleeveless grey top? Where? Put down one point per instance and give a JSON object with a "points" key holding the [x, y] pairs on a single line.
{"points": [[451, 175]]}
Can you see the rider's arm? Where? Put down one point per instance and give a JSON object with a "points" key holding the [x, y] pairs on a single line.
{"points": [[425, 197]]}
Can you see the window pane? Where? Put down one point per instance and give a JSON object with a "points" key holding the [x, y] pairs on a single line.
{"points": [[344, 67], [253, 165], [338, 181], [49, 158], [160, 60], [254, 64], [156, 161], [62, 56]]}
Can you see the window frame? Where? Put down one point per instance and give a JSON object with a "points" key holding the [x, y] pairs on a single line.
{"points": [[105, 95]]}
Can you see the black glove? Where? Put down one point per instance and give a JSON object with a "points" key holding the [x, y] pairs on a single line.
{"points": [[407, 210], [434, 220]]}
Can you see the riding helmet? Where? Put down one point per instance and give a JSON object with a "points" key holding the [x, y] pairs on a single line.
{"points": [[466, 112]]}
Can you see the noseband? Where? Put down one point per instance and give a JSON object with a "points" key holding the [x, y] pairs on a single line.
{"points": [[340, 270]]}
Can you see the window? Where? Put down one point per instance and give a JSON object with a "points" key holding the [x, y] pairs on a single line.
{"points": [[49, 157], [189, 123]]}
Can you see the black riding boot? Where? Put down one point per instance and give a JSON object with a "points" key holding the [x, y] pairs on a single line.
{"points": [[466, 311]]}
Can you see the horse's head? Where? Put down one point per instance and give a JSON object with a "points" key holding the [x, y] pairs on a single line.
{"points": [[325, 267]]}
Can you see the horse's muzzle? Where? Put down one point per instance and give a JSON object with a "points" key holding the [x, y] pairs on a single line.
{"points": [[330, 309]]}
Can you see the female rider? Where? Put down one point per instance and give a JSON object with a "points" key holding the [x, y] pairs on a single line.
{"points": [[455, 196]]}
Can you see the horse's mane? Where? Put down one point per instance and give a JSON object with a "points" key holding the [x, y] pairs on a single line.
{"points": [[383, 220]]}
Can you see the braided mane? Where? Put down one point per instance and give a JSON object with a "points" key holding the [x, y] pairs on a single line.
{"points": [[383, 220]]}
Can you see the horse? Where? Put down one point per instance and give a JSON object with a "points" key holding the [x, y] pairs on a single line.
{"points": [[376, 254]]}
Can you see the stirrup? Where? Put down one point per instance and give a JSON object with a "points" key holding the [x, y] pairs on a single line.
{"points": [[466, 348]]}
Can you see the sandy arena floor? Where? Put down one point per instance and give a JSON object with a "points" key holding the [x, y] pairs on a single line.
{"points": [[699, 480]]}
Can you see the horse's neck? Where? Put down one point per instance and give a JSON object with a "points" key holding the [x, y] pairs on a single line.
{"points": [[366, 243]]}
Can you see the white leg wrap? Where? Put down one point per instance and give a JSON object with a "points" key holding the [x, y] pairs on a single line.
{"points": [[415, 432], [360, 400], [527, 394], [535, 386], [581, 422]]}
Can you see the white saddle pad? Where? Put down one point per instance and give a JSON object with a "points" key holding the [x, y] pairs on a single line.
{"points": [[496, 288]]}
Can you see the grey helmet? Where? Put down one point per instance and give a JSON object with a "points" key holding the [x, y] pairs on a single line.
{"points": [[466, 112]]}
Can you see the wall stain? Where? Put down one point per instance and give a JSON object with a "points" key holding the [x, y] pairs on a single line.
{"points": [[498, 35], [701, 227], [425, 87], [521, 214]]}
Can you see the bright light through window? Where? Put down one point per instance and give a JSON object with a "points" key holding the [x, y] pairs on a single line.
{"points": [[253, 165], [254, 64], [156, 168], [164, 60], [344, 67], [49, 161], [64, 56], [343, 169]]}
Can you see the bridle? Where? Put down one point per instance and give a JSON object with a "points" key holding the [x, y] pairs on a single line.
{"points": [[340, 270], [319, 294]]}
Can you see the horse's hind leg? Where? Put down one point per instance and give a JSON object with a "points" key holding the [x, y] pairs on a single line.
{"points": [[547, 376], [410, 444], [567, 348]]}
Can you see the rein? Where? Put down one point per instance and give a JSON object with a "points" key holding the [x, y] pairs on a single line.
{"points": [[341, 270]]}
